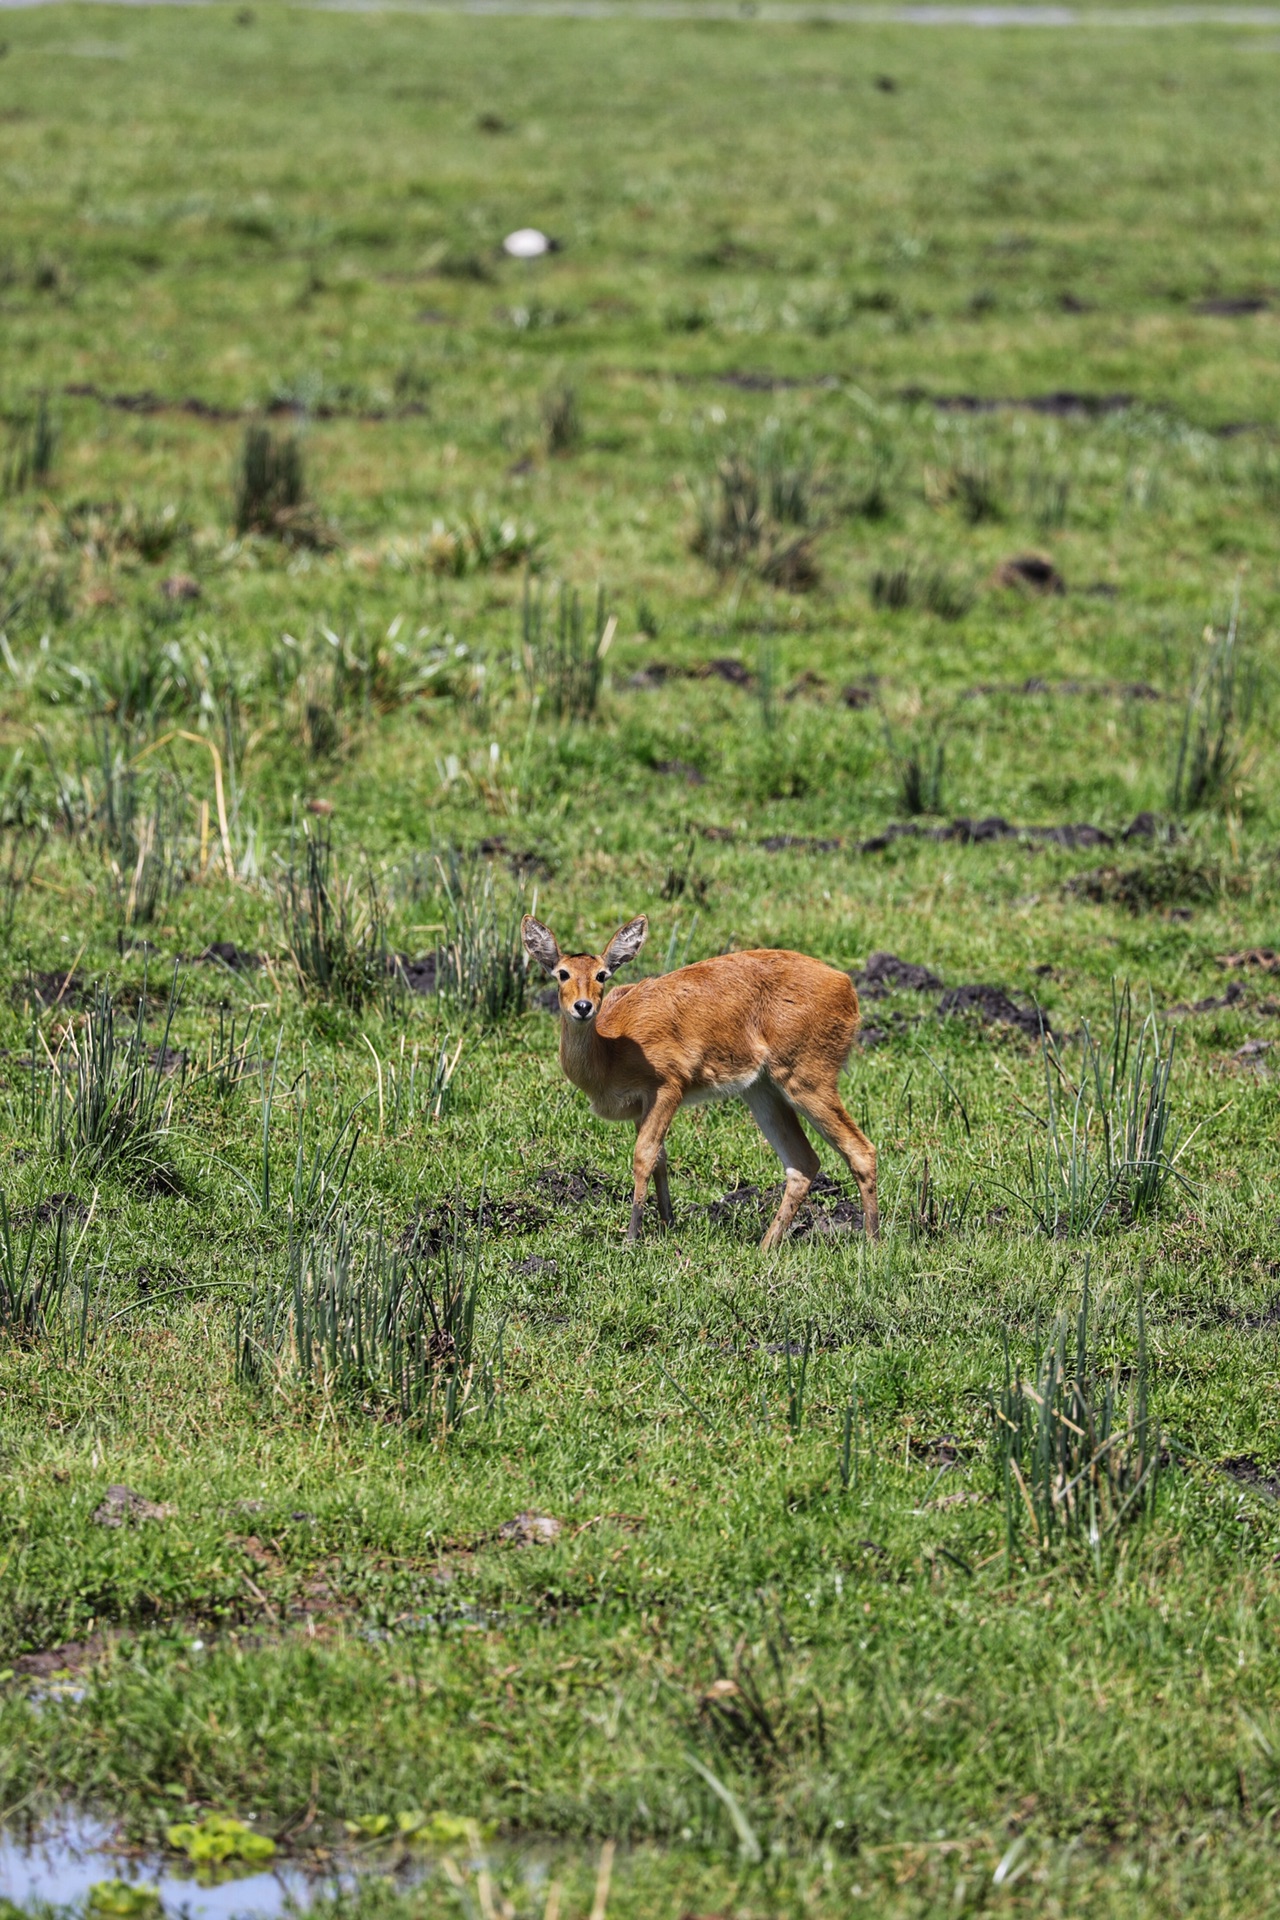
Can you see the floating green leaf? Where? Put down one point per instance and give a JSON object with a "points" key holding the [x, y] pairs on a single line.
{"points": [[122, 1900], [219, 1837]]}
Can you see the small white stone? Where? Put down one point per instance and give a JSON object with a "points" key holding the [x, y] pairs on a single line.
{"points": [[526, 243]]}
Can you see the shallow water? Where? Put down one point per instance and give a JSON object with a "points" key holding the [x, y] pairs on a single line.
{"points": [[65, 1860]]}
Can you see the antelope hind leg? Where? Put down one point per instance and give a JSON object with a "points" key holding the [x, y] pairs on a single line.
{"points": [[778, 1123]]}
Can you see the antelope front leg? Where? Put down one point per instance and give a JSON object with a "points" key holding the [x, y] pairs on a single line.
{"points": [[651, 1158], [662, 1187]]}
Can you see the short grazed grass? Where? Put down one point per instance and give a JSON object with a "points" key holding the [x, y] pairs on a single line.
{"points": [[457, 1502]]}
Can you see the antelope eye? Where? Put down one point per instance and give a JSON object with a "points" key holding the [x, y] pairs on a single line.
{"points": [[602, 977], [563, 974]]}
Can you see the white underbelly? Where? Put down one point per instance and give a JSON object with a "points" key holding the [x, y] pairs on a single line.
{"points": [[721, 1089]]}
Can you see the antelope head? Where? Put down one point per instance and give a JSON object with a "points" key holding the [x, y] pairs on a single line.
{"points": [[581, 978]]}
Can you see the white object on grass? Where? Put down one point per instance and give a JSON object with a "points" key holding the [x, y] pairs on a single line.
{"points": [[526, 243]]}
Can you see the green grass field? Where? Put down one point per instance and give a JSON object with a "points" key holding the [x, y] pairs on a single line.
{"points": [[332, 1272]]}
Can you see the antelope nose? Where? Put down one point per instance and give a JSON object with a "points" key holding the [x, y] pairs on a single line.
{"points": [[582, 1008]]}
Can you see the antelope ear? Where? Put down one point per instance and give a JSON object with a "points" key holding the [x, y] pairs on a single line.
{"points": [[540, 943], [625, 944]]}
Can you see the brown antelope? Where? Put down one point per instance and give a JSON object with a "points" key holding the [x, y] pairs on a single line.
{"points": [[775, 1027]]}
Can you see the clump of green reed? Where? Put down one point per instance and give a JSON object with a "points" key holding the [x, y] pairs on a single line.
{"points": [[485, 542], [481, 965], [21, 846], [561, 419], [271, 491], [929, 586], [33, 447], [1109, 1143], [1076, 1454], [563, 657], [335, 927], [757, 514], [870, 490], [148, 847], [917, 755], [1220, 705], [108, 1106], [379, 1328], [972, 484], [33, 1279]]}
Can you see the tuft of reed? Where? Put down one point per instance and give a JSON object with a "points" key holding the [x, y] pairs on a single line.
{"points": [[1109, 1144], [111, 1095], [561, 419], [929, 587], [271, 491], [563, 659], [484, 542], [334, 927], [33, 1283], [32, 450], [918, 759], [20, 849], [1219, 707], [1077, 1458], [481, 966], [757, 514], [380, 1329], [972, 485]]}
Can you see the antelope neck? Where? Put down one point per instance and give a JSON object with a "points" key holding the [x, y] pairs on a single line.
{"points": [[583, 1054]]}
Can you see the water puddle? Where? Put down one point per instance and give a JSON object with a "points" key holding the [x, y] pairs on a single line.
{"points": [[75, 1864], [66, 1861]]}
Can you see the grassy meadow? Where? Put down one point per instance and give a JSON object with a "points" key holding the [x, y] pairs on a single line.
{"points": [[858, 535]]}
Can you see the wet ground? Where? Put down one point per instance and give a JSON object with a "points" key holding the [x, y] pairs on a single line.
{"points": [[66, 1861]]}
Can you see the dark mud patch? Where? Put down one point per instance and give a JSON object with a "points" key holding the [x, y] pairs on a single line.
{"points": [[886, 1027], [225, 953], [59, 988], [123, 1506], [750, 380], [941, 1453], [1029, 573], [993, 1007], [418, 976], [1066, 689], [655, 673], [54, 1207], [1168, 880], [146, 401], [573, 1186], [525, 863], [798, 843], [858, 694], [61, 1663], [454, 1221], [975, 833], [827, 1210], [1071, 834], [1231, 306], [1065, 403], [725, 667], [1261, 959], [531, 1530], [885, 973], [1234, 996], [1250, 1472]]}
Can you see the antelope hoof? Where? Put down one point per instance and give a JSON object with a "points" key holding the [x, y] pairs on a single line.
{"points": [[637, 1221]]}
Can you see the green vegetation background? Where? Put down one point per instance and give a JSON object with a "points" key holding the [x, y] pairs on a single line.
{"points": [[780, 244]]}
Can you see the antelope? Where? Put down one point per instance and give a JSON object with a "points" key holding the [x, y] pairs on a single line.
{"points": [[771, 1026]]}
